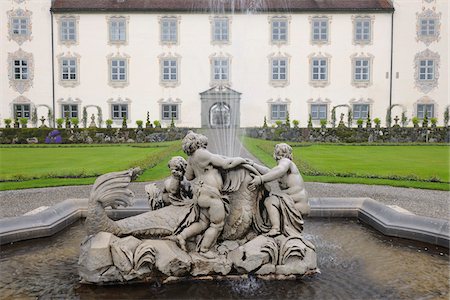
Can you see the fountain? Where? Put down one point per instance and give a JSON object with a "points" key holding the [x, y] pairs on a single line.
{"points": [[139, 244]]}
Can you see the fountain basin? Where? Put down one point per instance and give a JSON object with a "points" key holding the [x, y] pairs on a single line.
{"points": [[388, 220], [355, 260]]}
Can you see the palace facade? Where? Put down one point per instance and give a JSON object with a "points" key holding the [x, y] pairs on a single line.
{"points": [[222, 63]]}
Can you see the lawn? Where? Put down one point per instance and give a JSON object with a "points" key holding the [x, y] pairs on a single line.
{"points": [[418, 166], [40, 166]]}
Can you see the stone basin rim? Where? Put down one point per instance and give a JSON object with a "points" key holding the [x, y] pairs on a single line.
{"points": [[381, 217]]}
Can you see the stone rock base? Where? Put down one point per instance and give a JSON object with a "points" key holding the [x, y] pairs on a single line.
{"points": [[106, 258]]}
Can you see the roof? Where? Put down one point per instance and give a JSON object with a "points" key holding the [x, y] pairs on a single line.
{"points": [[221, 6]]}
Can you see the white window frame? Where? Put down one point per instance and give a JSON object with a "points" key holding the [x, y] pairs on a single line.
{"points": [[277, 67], [363, 30], [421, 107], [169, 30], [359, 111], [317, 113], [279, 33], [220, 30], [20, 68], [19, 29], [69, 66], [116, 68], [24, 113], [117, 27], [427, 70], [220, 68], [362, 68], [69, 108], [276, 112], [66, 25], [169, 69], [427, 29], [319, 69], [322, 35], [168, 108], [122, 108]]}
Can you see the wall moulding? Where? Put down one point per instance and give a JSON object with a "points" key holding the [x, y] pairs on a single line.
{"points": [[21, 85], [20, 14]]}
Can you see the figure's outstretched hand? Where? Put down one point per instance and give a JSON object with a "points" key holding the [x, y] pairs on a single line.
{"points": [[255, 182], [249, 161]]}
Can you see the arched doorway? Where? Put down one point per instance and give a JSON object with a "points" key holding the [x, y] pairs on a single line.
{"points": [[220, 115], [220, 108]]}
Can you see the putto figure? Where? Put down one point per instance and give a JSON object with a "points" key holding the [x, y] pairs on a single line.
{"points": [[284, 209], [203, 168], [176, 188]]}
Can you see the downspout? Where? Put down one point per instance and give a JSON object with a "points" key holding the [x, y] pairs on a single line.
{"points": [[392, 59], [53, 71]]}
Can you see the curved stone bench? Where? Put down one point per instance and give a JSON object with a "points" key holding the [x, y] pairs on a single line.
{"points": [[388, 220]]}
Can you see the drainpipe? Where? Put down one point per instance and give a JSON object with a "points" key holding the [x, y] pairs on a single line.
{"points": [[53, 71], [392, 59]]}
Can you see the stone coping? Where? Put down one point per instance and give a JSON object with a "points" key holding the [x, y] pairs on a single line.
{"points": [[387, 220]]}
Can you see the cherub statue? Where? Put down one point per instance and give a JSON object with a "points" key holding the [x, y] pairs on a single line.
{"points": [[204, 169], [176, 188], [284, 209]]}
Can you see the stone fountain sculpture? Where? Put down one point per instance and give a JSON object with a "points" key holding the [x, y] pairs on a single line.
{"points": [[213, 216]]}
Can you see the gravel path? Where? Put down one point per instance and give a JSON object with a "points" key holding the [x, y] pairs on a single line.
{"points": [[421, 202]]}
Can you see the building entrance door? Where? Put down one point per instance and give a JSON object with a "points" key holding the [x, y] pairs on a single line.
{"points": [[220, 108], [220, 116]]}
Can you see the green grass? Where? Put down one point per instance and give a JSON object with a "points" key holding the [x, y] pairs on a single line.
{"points": [[27, 167], [416, 166]]}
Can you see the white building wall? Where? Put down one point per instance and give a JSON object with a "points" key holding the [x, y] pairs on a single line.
{"points": [[406, 45], [40, 92], [249, 50]]}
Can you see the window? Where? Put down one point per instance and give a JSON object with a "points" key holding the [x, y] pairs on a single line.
{"points": [[69, 69], [19, 26], [69, 110], [68, 30], [422, 108], [169, 111], [362, 69], [20, 69], [22, 111], [220, 30], [319, 30], [426, 69], [363, 30], [118, 70], [169, 30], [318, 111], [119, 111], [360, 111], [278, 111], [427, 27], [117, 30], [279, 69], [279, 30], [319, 69], [169, 70], [220, 69]]}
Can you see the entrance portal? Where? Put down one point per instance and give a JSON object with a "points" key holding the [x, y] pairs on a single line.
{"points": [[220, 108]]}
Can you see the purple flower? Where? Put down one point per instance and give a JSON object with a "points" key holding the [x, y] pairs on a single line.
{"points": [[58, 139]]}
